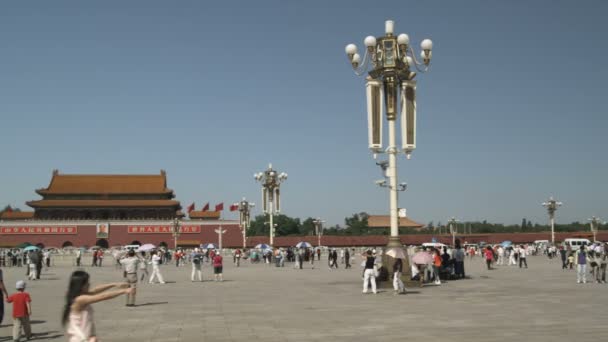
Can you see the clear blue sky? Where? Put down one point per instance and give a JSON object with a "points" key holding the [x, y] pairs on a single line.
{"points": [[512, 112]]}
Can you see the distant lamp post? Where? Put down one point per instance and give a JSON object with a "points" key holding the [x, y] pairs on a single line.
{"points": [[594, 223], [318, 229], [220, 232], [452, 224], [244, 208], [552, 206], [176, 230], [271, 184], [391, 62]]}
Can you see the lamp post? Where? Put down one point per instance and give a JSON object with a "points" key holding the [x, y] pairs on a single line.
{"points": [[594, 223], [271, 184], [452, 222], [176, 230], [318, 229], [220, 232], [552, 206], [244, 208], [391, 63]]}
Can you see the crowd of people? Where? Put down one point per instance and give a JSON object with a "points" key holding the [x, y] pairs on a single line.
{"points": [[439, 264]]}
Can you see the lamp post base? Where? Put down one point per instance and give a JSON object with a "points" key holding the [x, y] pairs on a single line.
{"points": [[387, 263]]}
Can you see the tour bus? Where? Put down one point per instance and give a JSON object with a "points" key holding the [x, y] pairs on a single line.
{"points": [[575, 244]]}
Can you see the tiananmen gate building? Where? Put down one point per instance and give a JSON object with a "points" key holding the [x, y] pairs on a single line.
{"points": [[110, 210]]}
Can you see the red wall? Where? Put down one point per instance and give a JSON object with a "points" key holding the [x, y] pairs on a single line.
{"points": [[119, 235]]}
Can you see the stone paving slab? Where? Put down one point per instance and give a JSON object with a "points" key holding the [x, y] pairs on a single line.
{"points": [[258, 302]]}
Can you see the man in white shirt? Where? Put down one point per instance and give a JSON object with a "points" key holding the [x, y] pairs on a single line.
{"points": [[156, 269], [501, 255], [522, 256]]}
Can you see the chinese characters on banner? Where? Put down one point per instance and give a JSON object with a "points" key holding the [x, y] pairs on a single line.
{"points": [[162, 229], [39, 230]]}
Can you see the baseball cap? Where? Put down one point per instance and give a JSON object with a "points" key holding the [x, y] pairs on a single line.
{"points": [[20, 285]]}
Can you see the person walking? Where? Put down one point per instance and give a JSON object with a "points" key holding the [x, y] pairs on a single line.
{"points": [[33, 265], [22, 310], [562, 254], [99, 257], [603, 263], [581, 265], [369, 272], [522, 256], [459, 256], [347, 259], [436, 265], [3, 294], [398, 285], [342, 255], [77, 314], [197, 264], [237, 256], [94, 258], [143, 267], [489, 255], [156, 269], [501, 256], [78, 257], [130, 264], [218, 268], [319, 253]]}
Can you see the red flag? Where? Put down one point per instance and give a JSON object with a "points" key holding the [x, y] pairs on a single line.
{"points": [[190, 207], [234, 207], [206, 207], [219, 207]]}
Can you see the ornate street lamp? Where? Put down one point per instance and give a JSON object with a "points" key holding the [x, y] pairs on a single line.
{"points": [[391, 62], [271, 184], [244, 208], [552, 206], [452, 222], [176, 230], [318, 229], [594, 223]]}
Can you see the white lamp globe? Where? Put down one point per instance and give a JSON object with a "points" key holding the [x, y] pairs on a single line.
{"points": [[410, 61], [351, 49], [356, 58], [426, 44], [370, 41], [403, 39]]}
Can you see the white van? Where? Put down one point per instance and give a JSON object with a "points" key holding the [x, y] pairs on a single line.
{"points": [[575, 244], [437, 245]]}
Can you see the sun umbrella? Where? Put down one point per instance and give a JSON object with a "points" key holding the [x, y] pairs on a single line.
{"points": [[506, 243], [30, 248], [262, 246], [209, 246], [23, 245], [396, 253], [422, 258], [303, 244], [146, 247]]}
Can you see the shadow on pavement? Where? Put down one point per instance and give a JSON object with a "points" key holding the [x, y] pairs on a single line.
{"points": [[153, 303]]}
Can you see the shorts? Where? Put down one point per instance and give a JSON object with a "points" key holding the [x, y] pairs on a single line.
{"points": [[217, 269]]}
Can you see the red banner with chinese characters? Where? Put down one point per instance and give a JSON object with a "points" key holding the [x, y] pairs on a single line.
{"points": [[46, 230], [162, 229]]}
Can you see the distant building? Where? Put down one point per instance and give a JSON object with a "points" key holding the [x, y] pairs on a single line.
{"points": [[384, 221], [109, 210]]}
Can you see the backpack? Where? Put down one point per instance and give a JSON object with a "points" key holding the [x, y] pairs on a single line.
{"points": [[196, 259]]}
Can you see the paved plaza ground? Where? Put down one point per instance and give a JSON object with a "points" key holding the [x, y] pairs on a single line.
{"points": [[263, 303]]}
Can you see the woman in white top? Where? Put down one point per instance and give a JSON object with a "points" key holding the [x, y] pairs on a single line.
{"points": [[78, 312]]}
